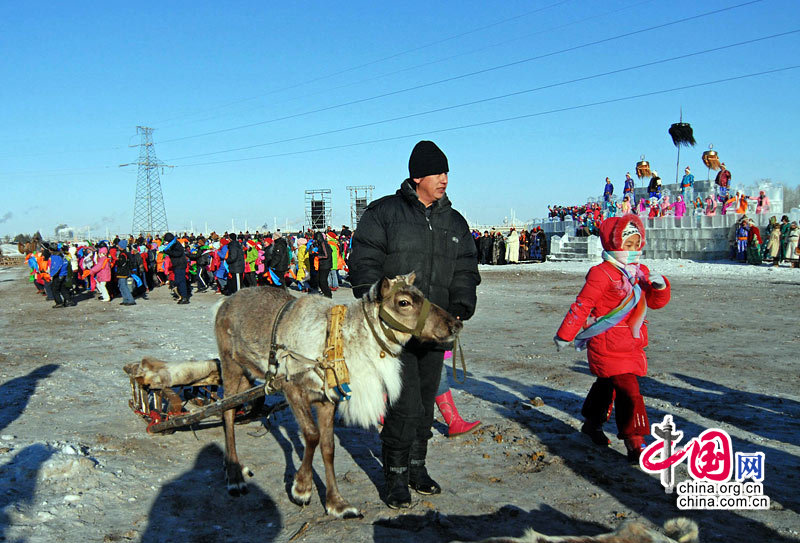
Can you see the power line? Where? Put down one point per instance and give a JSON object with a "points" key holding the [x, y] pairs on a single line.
{"points": [[493, 98], [383, 59], [503, 120], [470, 74], [443, 59]]}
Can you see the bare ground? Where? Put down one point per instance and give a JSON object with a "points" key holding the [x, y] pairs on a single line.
{"points": [[77, 465]]}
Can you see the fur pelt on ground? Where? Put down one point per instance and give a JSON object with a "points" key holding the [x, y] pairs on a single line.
{"points": [[680, 530]]}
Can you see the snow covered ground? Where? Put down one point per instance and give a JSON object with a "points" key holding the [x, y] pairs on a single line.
{"points": [[77, 465], [671, 267]]}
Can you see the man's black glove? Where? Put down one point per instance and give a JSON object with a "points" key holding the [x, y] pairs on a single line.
{"points": [[460, 312]]}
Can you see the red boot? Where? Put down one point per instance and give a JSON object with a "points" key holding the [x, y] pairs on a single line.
{"points": [[455, 424]]}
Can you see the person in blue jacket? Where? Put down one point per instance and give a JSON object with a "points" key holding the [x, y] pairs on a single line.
{"points": [[608, 190], [58, 275]]}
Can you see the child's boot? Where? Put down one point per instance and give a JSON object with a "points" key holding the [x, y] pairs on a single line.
{"points": [[595, 432], [634, 446]]}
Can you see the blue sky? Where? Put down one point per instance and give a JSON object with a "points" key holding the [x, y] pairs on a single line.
{"points": [[77, 78]]}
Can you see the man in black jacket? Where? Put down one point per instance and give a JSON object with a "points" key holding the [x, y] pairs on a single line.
{"points": [[325, 260], [178, 260], [235, 260], [416, 230], [279, 259]]}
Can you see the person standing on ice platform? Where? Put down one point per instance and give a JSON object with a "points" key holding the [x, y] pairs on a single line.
{"points": [[416, 230], [607, 318]]}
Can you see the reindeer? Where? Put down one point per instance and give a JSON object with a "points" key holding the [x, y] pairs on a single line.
{"points": [[373, 331]]}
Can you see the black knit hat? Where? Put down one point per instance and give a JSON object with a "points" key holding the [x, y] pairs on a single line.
{"points": [[426, 159]]}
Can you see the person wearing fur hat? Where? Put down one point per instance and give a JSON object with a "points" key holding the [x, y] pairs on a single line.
{"points": [[607, 319], [416, 230]]}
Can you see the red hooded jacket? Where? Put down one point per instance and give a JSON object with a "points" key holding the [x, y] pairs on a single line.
{"points": [[615, 351]]}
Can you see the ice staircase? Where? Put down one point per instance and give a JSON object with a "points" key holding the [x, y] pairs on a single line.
{"points": [[568, 248]]}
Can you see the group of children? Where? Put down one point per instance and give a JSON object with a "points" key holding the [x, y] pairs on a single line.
{"points": [[130, 268]]}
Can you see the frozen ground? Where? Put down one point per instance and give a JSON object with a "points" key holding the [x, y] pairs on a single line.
{"points": [[77, 465]]}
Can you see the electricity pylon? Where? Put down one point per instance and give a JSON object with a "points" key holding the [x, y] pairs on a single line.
{"points": [[149, 214]]}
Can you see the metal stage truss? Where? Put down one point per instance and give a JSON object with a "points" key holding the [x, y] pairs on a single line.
{"points": [[318, 208]]}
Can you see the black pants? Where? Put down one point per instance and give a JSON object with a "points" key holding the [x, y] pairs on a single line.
{"points": [[180, 282], [322, 278], [410, 417], [150, 277], [61, 293]]}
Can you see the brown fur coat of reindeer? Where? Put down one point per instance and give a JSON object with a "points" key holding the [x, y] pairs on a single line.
{"points": [[243, 324]]}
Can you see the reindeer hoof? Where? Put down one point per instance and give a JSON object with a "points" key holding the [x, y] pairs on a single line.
{"points": [[352, 512], [234, 476], [237, 490], [299, 498], [344, 511]]}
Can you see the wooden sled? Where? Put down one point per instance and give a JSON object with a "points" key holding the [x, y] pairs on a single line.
{"points": [[173, 395]]}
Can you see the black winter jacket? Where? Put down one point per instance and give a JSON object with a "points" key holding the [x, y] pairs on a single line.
{"points": [[325, 256], [397, 235], [123, 267], [177, 256], [279, 259], [235, 257]]}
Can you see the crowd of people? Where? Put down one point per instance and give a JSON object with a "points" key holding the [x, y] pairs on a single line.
{"points": [[660, 203], [779, 242], [129, 268], [526, 245]]}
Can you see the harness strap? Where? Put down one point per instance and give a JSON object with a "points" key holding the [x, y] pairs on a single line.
{"points": [[336, 373], [384, 348], [274, 345]]}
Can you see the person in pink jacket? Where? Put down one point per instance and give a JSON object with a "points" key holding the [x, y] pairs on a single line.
{"points": [[762, 203], [711, 206], [102, 273], [679, 207], [607, 319]]}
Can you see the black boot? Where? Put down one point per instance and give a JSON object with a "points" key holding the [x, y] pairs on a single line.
{"points": [[418, 477], [395, 470]]}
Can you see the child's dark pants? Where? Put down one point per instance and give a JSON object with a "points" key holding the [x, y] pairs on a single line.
{"points": [[623, 391]]}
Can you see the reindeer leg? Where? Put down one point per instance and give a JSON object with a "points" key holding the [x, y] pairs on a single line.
{"points": [[335, 504], [304, 478], [234, 382]]}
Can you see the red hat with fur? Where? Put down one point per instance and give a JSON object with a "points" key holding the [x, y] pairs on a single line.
{"points": [[614, 230]]}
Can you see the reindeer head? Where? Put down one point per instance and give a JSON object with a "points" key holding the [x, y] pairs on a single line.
{"points": [[407, 313]]}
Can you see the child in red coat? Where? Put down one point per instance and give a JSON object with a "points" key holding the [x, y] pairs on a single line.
{"points": [[607, 318]]}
